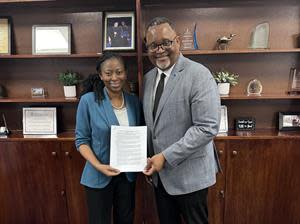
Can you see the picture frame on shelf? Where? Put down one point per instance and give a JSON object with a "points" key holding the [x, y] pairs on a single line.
{"points": [[51, 39], [39, 121], [119, 31], [224, 120], [37, 92], [289, 121], [5, 36]]}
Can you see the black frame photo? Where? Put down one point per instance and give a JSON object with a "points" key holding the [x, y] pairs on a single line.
{"points": [[119, 31], [289, 121]]}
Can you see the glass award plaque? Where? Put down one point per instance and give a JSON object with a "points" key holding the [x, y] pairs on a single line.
{"points": [[294, 82], [187, 41], [260, 36], [254, 88]]}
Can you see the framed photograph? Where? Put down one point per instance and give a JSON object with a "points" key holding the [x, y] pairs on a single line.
{"points": [[51, 39], [5, 36], [224, 120], [37, 92], [39, 121], [119, 31], [289, 121]]}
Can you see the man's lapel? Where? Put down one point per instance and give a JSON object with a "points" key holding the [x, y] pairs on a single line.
{"points": [[148, 95]]}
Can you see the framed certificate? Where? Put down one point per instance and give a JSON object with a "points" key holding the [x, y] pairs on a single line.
{"points": [[224, 120], [39, 121], [51, 39], [5, 42]]}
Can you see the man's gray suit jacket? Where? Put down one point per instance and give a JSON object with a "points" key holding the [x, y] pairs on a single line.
{"points": [[187, 119]]}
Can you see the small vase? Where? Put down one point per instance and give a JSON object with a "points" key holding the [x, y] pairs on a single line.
{"points": [[70, 91], [224, 88]]}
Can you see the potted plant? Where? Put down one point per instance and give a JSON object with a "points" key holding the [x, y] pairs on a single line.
{"points": [[224, 80], [69, 80]]}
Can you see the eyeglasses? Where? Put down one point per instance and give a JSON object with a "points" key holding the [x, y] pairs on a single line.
{"points": [[165, 44]]}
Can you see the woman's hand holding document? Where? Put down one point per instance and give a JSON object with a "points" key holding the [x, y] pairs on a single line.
{"points": [[128, 148]]}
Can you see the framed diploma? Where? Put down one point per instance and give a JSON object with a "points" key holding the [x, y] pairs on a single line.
{"points": [[5, 43], [39, 121], [51, 39]]}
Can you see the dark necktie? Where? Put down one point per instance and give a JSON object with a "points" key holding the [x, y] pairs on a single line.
{"points": [[159, 90]]}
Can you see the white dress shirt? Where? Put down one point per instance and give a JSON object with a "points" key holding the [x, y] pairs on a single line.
{"points": [[167, 73]]}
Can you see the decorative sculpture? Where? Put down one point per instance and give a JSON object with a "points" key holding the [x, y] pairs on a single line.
{"points": [[224, 41]]}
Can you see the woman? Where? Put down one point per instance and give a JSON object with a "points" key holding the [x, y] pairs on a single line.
{"points": [[102, 104]]}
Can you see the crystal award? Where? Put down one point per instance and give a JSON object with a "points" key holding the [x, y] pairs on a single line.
{"points": [[260, 36], [187, 42], [294, 82], [254, 88]]}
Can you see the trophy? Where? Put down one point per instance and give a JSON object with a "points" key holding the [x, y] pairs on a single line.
{"points": [[187, 41], [294, 82], [254, 88], [260, 36]]}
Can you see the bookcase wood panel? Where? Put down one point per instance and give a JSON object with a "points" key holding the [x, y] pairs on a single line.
{"points": [[264, 111], [19, 76], [215, 22], [86, 35]]}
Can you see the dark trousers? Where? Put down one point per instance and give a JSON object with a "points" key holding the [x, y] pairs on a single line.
{"points": [[192, 206], [119, 194]]}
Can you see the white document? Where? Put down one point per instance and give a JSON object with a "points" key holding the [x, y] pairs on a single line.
{"points": [[128, 148]]}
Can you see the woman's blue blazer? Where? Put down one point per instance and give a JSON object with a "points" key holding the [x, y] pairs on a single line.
{"points": [[93, 125]]}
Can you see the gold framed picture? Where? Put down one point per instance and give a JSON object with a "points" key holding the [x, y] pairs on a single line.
{"points": [[5, 36]]}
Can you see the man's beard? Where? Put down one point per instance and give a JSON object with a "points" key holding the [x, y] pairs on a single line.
{"points": [[163, 65]]}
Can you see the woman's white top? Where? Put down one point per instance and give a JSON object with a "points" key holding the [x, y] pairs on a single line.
{"points": [[122, 116]]}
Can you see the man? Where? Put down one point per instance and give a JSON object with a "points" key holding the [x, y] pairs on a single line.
{"points": [[182, 123]]}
